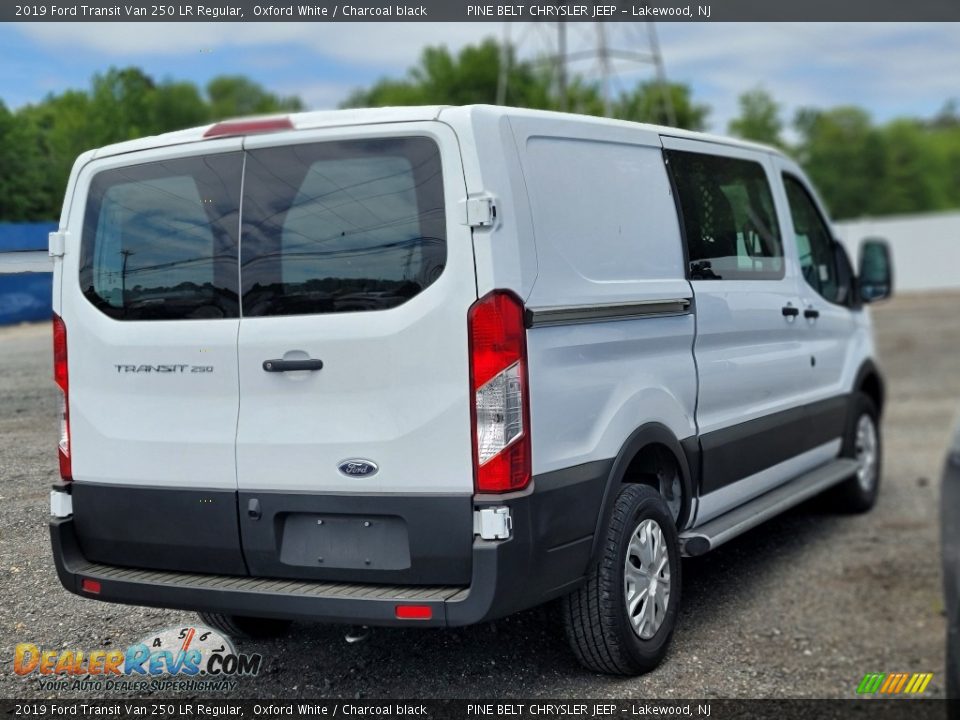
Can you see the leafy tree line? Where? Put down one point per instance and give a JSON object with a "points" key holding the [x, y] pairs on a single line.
{"points": [[861, 168], [39, 142], [907, 165]]}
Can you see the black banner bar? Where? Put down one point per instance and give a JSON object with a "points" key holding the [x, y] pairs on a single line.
{"points": [[867, 709], [484, 11]]}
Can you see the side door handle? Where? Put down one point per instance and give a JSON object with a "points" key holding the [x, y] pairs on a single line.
{"points": [[291, 365], [790, 311], [811, 313]]}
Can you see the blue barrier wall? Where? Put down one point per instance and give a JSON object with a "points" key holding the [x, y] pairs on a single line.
{"points": [[24, 296]]}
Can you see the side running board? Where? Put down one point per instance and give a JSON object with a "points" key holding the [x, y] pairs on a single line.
{"points": [[716, 532]]}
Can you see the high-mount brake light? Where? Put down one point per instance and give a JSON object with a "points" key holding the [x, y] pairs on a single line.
{"points": [[61, 377], [500, 404], [248, 127]]}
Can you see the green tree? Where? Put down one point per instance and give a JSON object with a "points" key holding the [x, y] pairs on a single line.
{"points": [[647, 103], [24, 190], [236, 96], [910, 178], [471, 76], [759, 118], [844, 155], [40, 142], [178, 105]]}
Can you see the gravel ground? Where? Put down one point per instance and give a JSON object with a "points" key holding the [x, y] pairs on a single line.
{"points": [[801, 607]]}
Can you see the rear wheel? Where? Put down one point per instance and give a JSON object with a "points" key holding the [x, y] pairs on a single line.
{"points": [[862, 443], [621, 621], [245, 626]]}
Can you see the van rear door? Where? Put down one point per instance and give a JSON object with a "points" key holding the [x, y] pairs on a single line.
{"points": [[149, 301], [353, 443]]}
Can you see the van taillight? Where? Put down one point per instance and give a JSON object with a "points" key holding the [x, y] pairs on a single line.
{"points": [[500, 405], [60, 376]]}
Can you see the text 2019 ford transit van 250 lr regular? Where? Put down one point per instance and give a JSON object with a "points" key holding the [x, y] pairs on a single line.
{"points": [[431, 366]]}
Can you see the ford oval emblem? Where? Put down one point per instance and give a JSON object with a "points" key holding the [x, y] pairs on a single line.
{"points": [[356, 467]]}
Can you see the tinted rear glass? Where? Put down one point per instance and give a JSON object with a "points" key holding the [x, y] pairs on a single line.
{"points": [[341, 226], [160, 239]]}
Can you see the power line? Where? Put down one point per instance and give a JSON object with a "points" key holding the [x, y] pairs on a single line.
{"points": [[606, 52]]}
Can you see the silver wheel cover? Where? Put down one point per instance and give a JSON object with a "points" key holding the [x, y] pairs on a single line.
{"points": [[866, 449], [646, 579]]}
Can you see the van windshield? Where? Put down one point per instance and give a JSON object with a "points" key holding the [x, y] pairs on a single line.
{"points": [[341, 226]]}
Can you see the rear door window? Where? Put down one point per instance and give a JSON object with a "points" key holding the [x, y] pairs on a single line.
{"points": [[342, 226], [160, 239]]}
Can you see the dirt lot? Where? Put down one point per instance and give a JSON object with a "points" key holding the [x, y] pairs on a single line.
{"points": [[802, 606]]}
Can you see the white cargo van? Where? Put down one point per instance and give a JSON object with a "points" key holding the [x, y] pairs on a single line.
{"points": [[431, 366]]}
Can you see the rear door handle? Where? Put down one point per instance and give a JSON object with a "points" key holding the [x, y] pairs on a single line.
{"points": [[811, 314], [790, 311], [291, 365]]}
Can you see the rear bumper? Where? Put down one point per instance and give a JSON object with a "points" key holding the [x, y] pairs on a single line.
{"points": [[546, 557], [244, 595]]}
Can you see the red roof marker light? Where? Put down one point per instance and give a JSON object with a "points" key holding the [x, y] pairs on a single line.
{"points": [[249, 127]]}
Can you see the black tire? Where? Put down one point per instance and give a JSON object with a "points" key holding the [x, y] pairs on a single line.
{"points": [[595, 615], [851, 496], [241, 627]]}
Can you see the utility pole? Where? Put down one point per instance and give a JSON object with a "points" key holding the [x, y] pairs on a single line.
{"points": [[123, 275], [606, 51]]}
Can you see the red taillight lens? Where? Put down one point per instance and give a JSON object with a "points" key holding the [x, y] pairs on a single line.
{"points": [[413, 612], [249, 127], [60, 353], [500, 407], [90, 586], [61, 377]]}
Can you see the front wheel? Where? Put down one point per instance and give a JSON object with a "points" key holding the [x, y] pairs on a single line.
{"points": [[862, 443], [621, 621]]}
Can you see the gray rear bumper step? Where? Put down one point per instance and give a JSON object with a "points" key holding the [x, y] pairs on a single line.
{"points": [[716, 532]]}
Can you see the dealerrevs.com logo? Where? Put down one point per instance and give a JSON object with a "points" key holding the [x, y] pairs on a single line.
{"points": [[191, 658]]}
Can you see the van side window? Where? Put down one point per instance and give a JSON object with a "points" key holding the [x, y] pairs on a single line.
{"points": [[814, 241], [729, 221], [342, 226], [160, 239]]}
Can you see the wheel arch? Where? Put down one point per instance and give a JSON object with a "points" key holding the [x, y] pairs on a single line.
{"points": [[650, 437], [870, 381]]}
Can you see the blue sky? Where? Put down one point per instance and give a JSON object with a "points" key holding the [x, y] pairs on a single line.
{"points": [[889, 68]]}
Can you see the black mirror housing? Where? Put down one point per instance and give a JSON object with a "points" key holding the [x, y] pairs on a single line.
{"points": [[876, 270]]}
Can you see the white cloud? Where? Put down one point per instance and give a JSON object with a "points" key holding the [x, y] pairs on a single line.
{"points": [[888, 68]]}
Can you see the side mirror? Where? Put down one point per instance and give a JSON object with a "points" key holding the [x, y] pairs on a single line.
{"points": [[876, 270]]}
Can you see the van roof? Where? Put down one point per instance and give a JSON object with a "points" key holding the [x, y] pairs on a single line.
{"points": [[369, 116]]}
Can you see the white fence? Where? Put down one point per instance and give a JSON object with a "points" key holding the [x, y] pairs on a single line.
{"points": [[926, 248]]}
